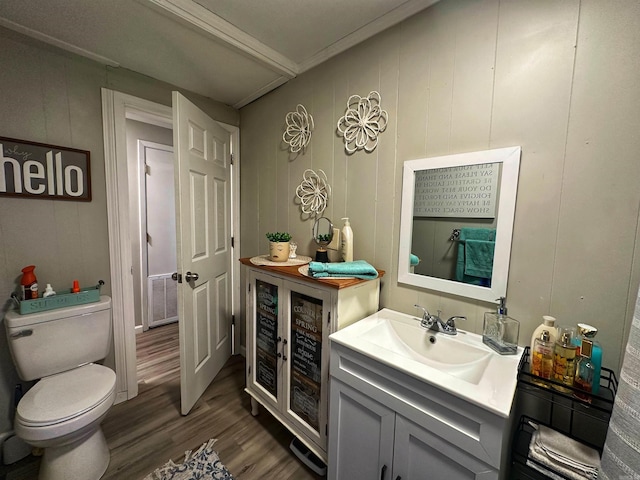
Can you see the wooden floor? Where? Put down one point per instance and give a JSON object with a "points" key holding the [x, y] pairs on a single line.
{"points": [[147, 431]]}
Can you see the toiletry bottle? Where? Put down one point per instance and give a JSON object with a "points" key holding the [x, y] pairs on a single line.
{"points": [[589, 332], [584, 379], [347, 241], [499, 331], [548, 324], [29, 283], [564, 358], [542, 356], [76, 287], [48, 292]]}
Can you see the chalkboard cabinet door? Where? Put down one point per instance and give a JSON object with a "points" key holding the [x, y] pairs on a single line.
{"points": [[288, 353]]}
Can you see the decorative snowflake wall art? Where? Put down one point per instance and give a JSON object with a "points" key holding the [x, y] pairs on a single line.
{"points": [[313, 192], [363, 121], [299, 127]]}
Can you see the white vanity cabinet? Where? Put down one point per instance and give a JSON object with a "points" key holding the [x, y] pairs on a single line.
{"points": [[289, 319], [388, 425]]}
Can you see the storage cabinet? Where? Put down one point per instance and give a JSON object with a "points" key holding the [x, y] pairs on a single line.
{"points": [[539, 401], [289, 319], [387, 425]]}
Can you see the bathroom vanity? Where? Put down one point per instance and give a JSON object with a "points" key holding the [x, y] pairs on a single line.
{"points": [[289, 319], [410, 404]]}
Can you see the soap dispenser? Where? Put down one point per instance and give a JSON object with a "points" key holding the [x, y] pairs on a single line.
{"points": [[499, 331]]}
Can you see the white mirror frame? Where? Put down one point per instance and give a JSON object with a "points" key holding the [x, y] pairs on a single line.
{"points": [[510, 159]]}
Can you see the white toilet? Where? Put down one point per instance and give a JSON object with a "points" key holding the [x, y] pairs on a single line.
{"points": [[62, 412]]}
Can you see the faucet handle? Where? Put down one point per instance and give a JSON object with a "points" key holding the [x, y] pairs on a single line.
{"points": [[452, 320], [426, 313]]}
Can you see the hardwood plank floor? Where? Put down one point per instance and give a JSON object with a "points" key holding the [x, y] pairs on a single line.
{"points": [[148, 430]]}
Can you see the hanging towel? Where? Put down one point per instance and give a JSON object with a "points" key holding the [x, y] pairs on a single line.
{"points": [[355, 269], [483, 234], [478, 258]]}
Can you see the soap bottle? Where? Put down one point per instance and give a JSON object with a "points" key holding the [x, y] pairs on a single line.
{"points": [[584, 379], [542, 355], [499, 331], [564, 358], [588, 332], [548, 324], [347, 241]]}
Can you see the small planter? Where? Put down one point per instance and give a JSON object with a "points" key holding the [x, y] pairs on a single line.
{"points": [[279, 246], [279, 251]]}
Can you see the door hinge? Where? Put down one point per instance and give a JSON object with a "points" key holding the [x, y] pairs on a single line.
{"points": [[326, 430], [233, 319], [147, 169], [329, 318], [249, 285], [249, 371], [231, 156], [232, 242]]}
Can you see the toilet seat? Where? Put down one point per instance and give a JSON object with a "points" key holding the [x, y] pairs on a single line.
{"points": [[65, 402]]}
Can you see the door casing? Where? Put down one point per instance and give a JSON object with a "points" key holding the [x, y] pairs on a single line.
{"points": [[116, 108]]}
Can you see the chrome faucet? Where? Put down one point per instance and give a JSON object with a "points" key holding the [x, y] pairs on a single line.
{"points": [[436, 324]]}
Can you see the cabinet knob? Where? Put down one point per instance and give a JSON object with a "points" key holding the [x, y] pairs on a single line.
{"points": [[279, 355], [279, 339], [284, 358], [284, 342]]}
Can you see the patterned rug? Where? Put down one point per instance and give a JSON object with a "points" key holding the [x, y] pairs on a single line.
{"points": [[203, 464]]}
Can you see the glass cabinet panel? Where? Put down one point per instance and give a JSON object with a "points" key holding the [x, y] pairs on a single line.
{"points": [[306, 358], [266, 361]]}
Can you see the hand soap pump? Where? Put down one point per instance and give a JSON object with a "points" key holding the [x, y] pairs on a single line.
{"points": [[499, 331]]}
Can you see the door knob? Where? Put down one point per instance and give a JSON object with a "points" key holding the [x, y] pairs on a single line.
{"points": [[176, 277], [191, 276]]}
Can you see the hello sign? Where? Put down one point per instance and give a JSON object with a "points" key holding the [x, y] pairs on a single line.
{"points": [[38, 170]]}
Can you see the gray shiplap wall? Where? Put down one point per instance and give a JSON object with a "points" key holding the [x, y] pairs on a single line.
{"points": [[558, 78]]}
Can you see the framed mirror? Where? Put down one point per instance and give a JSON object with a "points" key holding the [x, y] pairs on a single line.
{"points": [[456, 222]]}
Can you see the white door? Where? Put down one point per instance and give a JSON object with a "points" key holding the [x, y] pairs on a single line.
{"points": [[203, 206]]}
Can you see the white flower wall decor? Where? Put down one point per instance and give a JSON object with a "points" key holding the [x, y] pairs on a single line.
{"points": [[363, 121], [313, 192], [299, 127]]}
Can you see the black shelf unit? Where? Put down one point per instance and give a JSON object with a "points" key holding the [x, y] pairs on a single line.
{"points": [[552, 404]]}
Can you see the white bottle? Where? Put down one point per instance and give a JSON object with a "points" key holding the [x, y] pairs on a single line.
{"points": [[347, 241], [548, 324]]}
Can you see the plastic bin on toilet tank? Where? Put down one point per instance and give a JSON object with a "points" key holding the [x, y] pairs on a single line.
{"points": [[54, 341]]}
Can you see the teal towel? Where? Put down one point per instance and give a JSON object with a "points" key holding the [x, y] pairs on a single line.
{"points": [[356, 269], [478, 258], [413, 260], [484, 234]]}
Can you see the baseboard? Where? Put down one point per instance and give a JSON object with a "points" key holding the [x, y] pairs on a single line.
{"points": [[138, 329]]}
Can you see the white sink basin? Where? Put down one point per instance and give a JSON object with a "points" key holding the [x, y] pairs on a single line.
{"points": [[460, 364], [452, 354]]}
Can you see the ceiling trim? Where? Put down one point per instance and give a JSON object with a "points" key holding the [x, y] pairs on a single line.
{"points": [[388, 20], [16, 27], [210, 23], [261, 91]]}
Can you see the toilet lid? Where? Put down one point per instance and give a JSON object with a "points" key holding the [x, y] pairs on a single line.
{"points": [[66, 395]]}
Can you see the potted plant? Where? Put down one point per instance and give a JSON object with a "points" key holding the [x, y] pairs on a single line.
{"points": [[279, 246]]}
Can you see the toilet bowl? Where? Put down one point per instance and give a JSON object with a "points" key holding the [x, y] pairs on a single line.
{"points": [[62, 412]]}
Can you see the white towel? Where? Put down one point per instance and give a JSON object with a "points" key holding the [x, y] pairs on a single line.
{"points": [[563, 455]]}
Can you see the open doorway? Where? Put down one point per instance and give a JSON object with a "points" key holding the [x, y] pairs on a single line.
{"points": [[117, 109]]}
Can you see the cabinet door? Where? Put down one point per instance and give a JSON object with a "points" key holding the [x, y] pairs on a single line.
{"points": [[421, 455], [307, 360], [264, 338], [360, 436]]}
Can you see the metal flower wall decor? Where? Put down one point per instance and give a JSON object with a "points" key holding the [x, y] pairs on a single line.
{"points": [[299, 127], [363, 121], [313, 192]]}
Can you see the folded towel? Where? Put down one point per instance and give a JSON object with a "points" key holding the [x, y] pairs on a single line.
{"points": [[413, 260], [562, 455], [466, 234], [355, 269], [478, 258]]}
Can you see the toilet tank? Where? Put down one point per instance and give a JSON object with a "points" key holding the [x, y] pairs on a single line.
{"points": [[54, 341]]}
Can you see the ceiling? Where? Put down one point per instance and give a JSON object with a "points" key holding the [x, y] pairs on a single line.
{"points": [[232, 51]]}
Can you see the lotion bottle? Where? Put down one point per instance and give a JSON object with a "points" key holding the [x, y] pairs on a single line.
{"points": [[548, 324], [347, 241]]}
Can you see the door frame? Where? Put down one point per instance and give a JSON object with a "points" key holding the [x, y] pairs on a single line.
{"points": [[116, 108]]}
